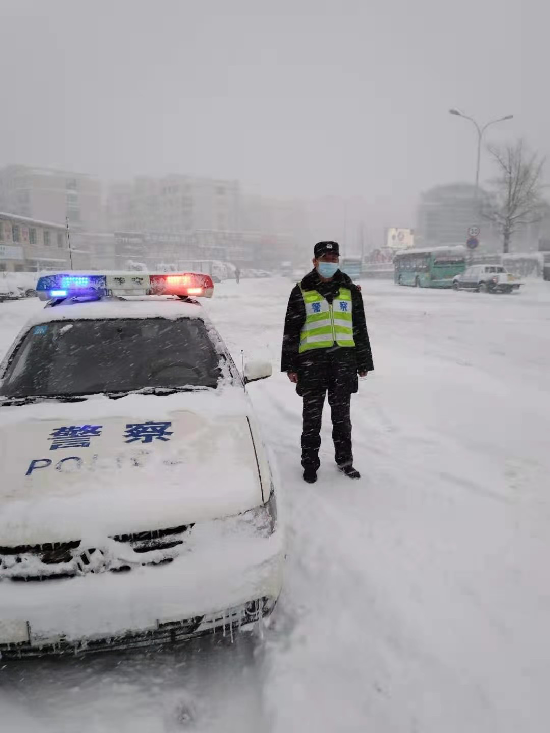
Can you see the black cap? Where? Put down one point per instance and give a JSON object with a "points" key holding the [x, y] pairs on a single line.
{"points": [[323, 248]]}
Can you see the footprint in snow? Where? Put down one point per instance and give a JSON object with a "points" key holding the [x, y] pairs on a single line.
{"points": [[183, 716]]}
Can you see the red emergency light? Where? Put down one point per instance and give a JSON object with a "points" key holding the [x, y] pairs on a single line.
{"points": [[182, 284], [182, 280]]}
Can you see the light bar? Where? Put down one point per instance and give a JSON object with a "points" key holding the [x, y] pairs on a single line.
{"points": [[60, 285]]}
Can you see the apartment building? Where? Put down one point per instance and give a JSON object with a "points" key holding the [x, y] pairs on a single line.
{"points": [[445, 213], [51, 195], [279, 229], [174, 204]]}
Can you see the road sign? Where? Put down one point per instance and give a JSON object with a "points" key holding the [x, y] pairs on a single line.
{"points": [[472, 243], [473, 232]]}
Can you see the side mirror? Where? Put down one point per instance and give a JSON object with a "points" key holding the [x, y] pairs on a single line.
{"points": [[255, 370]]}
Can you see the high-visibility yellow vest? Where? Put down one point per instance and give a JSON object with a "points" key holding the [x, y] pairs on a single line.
{"points": [[327, 323]]}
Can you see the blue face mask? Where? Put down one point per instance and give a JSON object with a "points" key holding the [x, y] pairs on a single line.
{"points": [[327, 269]]}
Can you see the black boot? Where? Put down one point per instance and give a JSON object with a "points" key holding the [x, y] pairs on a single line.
{"points": [[310, 475], [350, 472]]}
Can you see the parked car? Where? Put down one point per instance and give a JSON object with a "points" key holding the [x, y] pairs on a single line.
{"points": [[9, 291], [486, 279], [15, 285]]}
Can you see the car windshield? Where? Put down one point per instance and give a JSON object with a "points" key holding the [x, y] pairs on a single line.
{"points": [[114, 355]]}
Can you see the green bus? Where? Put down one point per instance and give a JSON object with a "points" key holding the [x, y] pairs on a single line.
{"points": [[429, 268]]}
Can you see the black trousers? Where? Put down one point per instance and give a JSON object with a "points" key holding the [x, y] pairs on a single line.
{"points": [[339, 401]]}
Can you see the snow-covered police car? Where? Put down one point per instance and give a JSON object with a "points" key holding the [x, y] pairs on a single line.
{"points": [[137, 502]]}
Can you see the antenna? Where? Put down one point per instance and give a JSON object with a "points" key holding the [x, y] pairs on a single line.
{"points": [[69, 242]]}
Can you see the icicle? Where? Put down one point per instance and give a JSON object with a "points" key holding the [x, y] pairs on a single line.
{"points": [[261, 620]]}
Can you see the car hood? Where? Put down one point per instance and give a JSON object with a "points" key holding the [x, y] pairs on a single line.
{"points": [[102, 467]]}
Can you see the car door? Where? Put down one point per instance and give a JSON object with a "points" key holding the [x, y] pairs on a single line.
{"points": [[467, 279], [486, 273]]}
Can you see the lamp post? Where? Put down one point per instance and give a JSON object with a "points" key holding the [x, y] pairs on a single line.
{"points": [[480, 131]]}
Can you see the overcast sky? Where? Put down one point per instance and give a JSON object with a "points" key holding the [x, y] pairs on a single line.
{"points": [[292, 97]]}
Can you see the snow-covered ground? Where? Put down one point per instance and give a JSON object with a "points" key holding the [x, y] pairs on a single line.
{"points": [[415, 600]]}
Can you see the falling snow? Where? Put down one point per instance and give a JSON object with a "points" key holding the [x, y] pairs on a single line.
{"points": [[415, 599]]}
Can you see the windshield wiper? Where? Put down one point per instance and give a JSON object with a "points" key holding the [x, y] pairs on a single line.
{"points": [[157, 391], [16, 400], [111, 394]]}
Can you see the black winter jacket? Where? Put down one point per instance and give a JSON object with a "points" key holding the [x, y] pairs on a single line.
{"points": [[319, 368]]}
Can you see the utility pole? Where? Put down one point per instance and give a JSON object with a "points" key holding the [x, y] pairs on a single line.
{"points": [[344, 248]]}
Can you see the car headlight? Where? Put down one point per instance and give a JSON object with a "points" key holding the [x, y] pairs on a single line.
{"points": [[257, 522], [262, 518]]}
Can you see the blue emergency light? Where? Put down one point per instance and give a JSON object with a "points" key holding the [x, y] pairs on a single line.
{"points": [[71, 282], [65, 285]]}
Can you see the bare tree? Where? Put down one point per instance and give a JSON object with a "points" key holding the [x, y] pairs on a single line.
{"points": [[518, 189]]}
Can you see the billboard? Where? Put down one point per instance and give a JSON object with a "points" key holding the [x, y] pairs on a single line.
{"points": [[399, 238]]}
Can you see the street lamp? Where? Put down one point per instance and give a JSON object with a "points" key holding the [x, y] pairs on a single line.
{"points": [[480, 131]]}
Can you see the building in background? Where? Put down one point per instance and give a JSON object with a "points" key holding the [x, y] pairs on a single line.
{"points": [[277, 229], [177, 218], [28, 245], [158, 222], [165, 252], [173, 204], [534, 236], [181, 218], [93, 250], [348, 220], [445, 214], [51, 195]]}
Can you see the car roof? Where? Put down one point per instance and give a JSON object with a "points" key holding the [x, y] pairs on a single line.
{"points": [[107, 308]]}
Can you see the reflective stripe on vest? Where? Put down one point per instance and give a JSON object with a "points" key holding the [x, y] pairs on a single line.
{"points": [[327, 324]]}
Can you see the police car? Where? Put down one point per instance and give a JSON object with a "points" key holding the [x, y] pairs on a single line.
{"points": [[137, 502]]}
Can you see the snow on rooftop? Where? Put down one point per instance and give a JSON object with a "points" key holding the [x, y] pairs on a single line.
{"points": [[28, 220], [455, 249]]}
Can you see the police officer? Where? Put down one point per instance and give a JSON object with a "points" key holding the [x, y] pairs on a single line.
{"points": [[325, 346]]}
